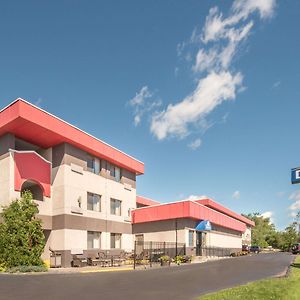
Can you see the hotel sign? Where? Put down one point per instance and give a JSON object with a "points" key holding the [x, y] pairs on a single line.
{"points": [[295, 175]]}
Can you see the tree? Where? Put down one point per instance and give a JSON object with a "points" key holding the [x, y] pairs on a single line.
{"points": [[289, 236], [263, 233], [21, 236]]}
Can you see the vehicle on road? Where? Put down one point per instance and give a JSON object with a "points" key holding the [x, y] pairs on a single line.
{"points": [[296, 248], [255, 249]]}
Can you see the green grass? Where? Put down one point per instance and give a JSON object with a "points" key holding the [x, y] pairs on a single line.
{"points": [[287, 288]]}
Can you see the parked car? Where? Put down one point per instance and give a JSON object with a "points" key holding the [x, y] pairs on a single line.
{"points": [[255, 249], [296, 248], [245, 249]]}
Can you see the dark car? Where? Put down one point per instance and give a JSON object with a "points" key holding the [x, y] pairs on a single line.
{"points": [[296, 248], [255, 249]]}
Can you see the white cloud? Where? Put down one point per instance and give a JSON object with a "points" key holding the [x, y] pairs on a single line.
{"points": [[196, 197], [142, 104], [295, 207], [195, 144], [236, 195], [276, 84], [209, 93], [269, 215], [38, 102], [219, 84], [217, 45]]}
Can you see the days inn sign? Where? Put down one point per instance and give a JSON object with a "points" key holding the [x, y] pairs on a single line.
{"points": [[295, 175]]}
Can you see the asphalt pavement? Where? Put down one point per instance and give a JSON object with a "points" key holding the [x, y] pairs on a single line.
{"points": [[176, 283]]}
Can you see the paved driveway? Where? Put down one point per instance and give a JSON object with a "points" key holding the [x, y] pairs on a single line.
{"points": [[183, 282]]}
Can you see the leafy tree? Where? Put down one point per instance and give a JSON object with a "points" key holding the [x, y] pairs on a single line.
{"points": [[21, 236], [289, 237], [263, 233]]}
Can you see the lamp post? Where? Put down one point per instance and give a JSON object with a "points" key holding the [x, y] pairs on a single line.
{"points": [[176, 250]]}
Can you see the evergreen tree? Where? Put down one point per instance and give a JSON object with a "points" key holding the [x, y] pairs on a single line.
{"points": [[21, 236]]}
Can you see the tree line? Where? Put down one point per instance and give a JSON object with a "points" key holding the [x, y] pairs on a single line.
{"points": [[264, 233]]}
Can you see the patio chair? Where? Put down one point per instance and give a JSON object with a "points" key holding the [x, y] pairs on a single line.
{"points": [[79, 260], [119, 259], [104, 259], [93, 260]]}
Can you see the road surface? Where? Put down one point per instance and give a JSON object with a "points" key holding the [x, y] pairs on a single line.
{"points": [[175, 283]]}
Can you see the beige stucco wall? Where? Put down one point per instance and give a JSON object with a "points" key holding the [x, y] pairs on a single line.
{"points": [[216, 239]]}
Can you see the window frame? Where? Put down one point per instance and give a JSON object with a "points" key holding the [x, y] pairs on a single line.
{"points": [[191, 234], [93, 233], [113, 210], [93, 196], [94, 160], [114, 240]]}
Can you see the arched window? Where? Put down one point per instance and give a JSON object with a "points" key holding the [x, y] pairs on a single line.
{"points": [[35, 188]]}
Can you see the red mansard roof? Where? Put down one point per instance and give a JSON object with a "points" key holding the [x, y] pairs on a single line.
{"points": [[146, 201], [39, 127], [216, 206], [185, 209]]}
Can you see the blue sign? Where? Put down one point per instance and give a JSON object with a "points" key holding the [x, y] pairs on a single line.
{"points": [[203, 226], [295, 176]]}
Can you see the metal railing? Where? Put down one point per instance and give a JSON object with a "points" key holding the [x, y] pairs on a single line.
{"points": [[215, 251], [147, 253]]}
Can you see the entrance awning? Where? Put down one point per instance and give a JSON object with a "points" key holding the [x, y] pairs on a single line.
{"points": [[204, 226]]}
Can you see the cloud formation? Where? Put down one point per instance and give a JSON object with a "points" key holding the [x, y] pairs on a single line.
{"points": [[142, 104], [220, 40], [295, 207], [268, 215], [214, 48], [194, 145], [236, 195]]}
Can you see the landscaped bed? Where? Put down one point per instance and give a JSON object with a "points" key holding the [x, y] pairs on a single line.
{"points": [[276, 288]]}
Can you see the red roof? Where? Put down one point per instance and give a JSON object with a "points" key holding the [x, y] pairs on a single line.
{"points": [[185, 209], [146, 201], [216, 206], [39, 127]]}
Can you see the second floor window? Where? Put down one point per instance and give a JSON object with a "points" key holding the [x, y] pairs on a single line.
{"points": [[93, 165], [93, 202], [115, 172], [115, 207]]}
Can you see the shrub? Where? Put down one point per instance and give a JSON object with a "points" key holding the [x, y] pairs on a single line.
{"points": [[179, 259], [22, 239], [27, 269]]}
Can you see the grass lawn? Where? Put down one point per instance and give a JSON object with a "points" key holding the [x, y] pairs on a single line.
{"points": [[276, 288]]}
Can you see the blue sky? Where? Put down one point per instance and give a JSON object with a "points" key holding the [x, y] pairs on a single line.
{"points": [[208, 98]]}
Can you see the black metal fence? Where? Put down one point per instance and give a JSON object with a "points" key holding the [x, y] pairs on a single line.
{"points": [[215, 251], [147, 253]]}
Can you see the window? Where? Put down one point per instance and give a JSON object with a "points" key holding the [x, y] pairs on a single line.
{"points": [[115, 172], [93, 240], [93, 165], [191, 238], [115, 240], [93, 202], [115, 207]]}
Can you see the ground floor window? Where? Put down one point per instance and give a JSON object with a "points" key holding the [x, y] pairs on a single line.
{"points": [[191, 238], [93, 240], [115, 240]]}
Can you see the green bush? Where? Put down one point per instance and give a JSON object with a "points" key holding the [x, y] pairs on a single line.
{"points": [[27, 269], [22, 239]]}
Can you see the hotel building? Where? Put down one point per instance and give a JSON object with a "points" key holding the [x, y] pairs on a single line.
{"points": [[86, 190]]}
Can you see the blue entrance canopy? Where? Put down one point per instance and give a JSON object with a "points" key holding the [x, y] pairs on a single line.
{"points": [[203, 226]]}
